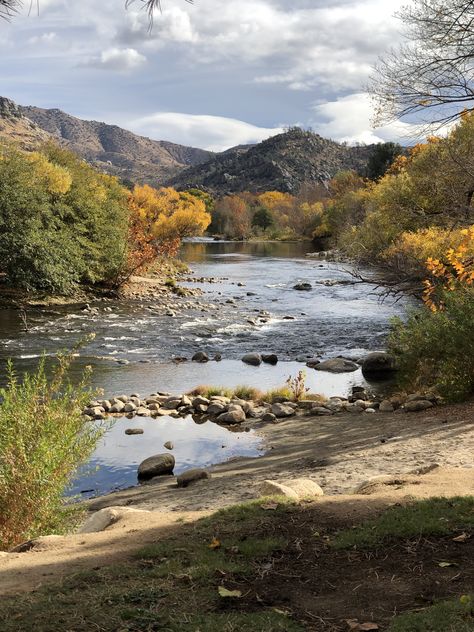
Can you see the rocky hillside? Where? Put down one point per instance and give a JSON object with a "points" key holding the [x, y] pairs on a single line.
{"points": [[19, 129], [116, 150], [280, 163]]}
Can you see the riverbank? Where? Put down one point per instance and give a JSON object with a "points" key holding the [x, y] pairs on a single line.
{"points": [[339, 453], [316, 565]]}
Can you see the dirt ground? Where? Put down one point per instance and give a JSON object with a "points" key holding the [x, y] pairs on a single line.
{"points": [[339, 453]]}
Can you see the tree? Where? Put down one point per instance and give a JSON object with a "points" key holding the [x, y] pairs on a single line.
{"points": [[382, 158], [9, 7], [159, 219], [263, 218], [433, 73]]}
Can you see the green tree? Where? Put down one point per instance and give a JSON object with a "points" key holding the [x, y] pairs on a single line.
{"points": [[263, 218], [381, 159]]}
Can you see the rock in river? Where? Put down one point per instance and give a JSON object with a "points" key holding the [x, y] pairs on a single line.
{"points": [[378, 366], [255, 359], [303, 287], [200, 356], [337, 365], [270, 358], [157, 465]]}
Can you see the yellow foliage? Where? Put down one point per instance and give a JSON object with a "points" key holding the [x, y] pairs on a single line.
{"points": [[276, 201], [56, 179]]}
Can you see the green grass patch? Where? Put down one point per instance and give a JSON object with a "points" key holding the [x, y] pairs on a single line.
{"points": [[445, 616], [171, 585], [435, 517]]}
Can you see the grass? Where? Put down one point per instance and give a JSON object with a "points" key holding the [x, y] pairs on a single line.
{"points": [[433, 517], [249, 393], [445, 616], [170, 585]]}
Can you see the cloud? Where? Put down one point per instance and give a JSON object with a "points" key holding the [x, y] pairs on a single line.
{"points": [[118, 59], [215, 133], [348, 119]]}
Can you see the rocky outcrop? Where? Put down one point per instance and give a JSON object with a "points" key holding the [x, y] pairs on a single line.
{"points": [[281, 163]]}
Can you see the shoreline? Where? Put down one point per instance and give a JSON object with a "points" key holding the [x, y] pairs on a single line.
{"points": [[338, 453]]}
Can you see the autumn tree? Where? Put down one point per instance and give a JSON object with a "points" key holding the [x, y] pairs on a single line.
{"points": [[432, 74], [61, 222], [159, 220], [232, 217]]}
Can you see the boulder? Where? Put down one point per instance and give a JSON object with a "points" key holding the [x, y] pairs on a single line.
{"points": [[320, 411], [378, 366], [386, 406], [134, 431], [282, 410], [236, 416], [200, 401], [191, 476], [297, 489], [271, 358], [216, 408], [417, 405], [157, 465], [268, 417], [254, 359], [337, 365], [169, 445], [117, 408], [200, 356], [303, 287], [130, 407], [100, 520]]}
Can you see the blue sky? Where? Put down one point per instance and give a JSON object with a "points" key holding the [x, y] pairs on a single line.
{"points": [[214, 74]]}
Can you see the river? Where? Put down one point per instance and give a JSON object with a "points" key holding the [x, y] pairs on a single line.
{"points": [[250, 305]]}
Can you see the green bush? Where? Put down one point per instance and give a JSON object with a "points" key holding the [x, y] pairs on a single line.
{"points": [[436, 349], [43, 439], [61, 222]]}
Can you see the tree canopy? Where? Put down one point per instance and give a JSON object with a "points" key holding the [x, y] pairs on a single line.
{"points": [[431, 76]]}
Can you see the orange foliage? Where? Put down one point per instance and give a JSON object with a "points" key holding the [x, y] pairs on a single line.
{"points": [[456, 270], [159, 219]]}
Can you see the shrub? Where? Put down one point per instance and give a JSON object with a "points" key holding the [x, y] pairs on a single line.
{"points": [[436, 348], [44, 437], [248, 393], [272, 395]]}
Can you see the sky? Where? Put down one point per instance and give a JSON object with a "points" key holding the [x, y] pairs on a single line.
{"points": [[213, 74]]}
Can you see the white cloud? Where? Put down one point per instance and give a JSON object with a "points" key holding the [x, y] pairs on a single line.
{"points": [[118, 59], [215, 133], [349, 119], [45, 38]]}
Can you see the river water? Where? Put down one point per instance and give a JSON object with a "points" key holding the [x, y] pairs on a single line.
{"points": [[250, 306]]}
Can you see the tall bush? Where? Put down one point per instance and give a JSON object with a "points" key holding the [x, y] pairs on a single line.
{"points": [[44, 437]]}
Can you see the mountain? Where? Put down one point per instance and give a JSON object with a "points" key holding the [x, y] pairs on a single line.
{"points": [[282, 163], [115, 150], [19, 129]]}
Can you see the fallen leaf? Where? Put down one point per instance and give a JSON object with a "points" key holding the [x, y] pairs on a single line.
{"points": [[461, 538], [465, 600], [285, 613], [223, 592], [271, 506], [215, 544], [446, 564], [361, 627]]}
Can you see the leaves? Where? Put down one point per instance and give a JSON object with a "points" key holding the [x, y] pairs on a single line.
{"points": [[215, 544], [231, 594], [269, 506], [464, 537], [354, 625], [446, 564]]}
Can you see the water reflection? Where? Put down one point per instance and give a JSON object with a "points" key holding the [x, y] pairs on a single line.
{"points": [[114, 463]]}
